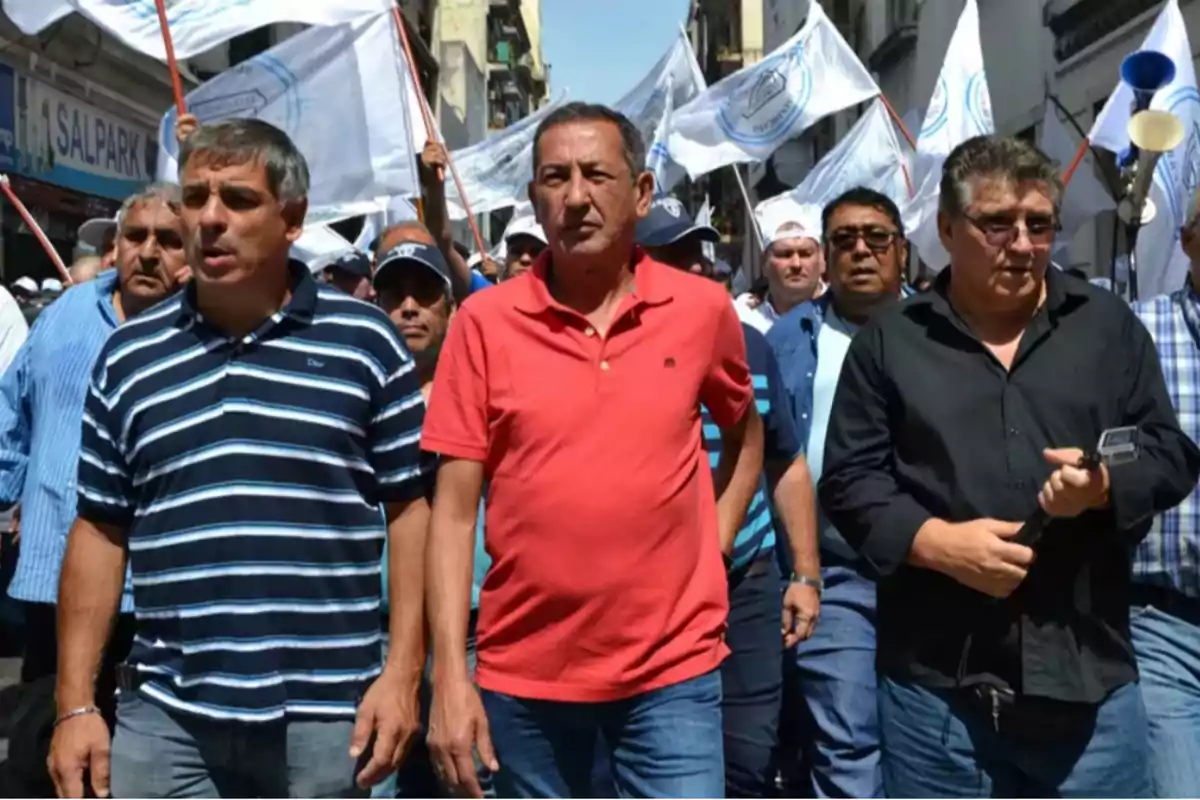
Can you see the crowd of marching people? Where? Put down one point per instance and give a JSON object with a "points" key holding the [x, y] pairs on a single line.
{"points": [[582, 523]]}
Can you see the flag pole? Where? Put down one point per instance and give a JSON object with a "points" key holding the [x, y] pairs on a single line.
{"points": [[36, 230], [899, 122], [172, 64], [431, 129]]}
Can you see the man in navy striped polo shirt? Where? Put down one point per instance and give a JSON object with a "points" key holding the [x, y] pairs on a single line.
{"points": [[255, 440], [752, 676]]}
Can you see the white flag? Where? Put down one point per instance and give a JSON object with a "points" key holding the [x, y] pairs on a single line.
{"points": [[670, 84], [196, 25], [319, 245], [1086, 196], [869, 156], [704, 217], [344, 96], [1161, 264], [496, 172], [747, 115], [960, 109]]}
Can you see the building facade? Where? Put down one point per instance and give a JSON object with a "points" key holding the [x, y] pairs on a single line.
{"points": [[79, 117]]}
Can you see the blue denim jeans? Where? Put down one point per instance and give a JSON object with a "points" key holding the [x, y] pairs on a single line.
{"points": [[663, 743], [830, 732], [161, 753], [946, 744], [1168, 654], [752, 680]]}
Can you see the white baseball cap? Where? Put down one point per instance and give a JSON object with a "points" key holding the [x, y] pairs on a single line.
{"points": [[93, 232], [26, 283], [525, 226], [780, 219], [52, 286]]}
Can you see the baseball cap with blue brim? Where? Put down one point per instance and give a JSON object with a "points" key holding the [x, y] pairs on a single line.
{"points": [[668, 222], [413, 253]]}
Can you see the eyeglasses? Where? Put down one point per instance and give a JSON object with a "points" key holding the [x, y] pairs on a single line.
{"points": [[876, 239], [1001, 231]]}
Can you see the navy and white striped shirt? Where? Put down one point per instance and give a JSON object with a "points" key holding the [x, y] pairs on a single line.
{"points": [[248, 474]]}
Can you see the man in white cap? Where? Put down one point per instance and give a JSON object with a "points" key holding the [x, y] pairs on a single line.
{"points": [[524, 241], [52, 287], [100, 234], [793, 264]]}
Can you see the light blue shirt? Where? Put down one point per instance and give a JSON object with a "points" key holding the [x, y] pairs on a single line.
{"points": [[482, 560], [833, 342], [41, 408]]}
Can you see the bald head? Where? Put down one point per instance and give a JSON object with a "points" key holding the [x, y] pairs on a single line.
{"points": [[408, 231]]}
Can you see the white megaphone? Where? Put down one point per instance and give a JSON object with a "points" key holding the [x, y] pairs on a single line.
{"points": [[1152, 133]]}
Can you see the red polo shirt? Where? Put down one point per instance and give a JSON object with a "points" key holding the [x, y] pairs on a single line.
{"points": [[606, 577]]}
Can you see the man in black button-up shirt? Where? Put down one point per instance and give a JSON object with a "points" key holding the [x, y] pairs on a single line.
{"points": [[1005, 669]]}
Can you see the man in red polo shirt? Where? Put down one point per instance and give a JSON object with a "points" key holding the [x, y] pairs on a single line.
{"points": [[573, 392]]}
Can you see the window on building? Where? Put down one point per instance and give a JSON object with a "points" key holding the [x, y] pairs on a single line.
{"points": [[248, 45]]}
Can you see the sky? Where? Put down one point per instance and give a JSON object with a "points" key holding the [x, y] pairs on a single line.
{"points": [[600, 50]]}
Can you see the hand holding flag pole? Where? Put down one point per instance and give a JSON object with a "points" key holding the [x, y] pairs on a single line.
{"points": [[432, 131], [36, 230]]}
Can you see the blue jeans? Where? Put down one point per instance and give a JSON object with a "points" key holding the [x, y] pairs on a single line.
{"points": [[663, 743], [1168, 654], [751, 680], [830, 735], [946, 744], [161, 753]]}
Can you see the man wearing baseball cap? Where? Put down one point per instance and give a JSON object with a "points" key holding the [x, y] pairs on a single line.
{"points": [[524, 241], [351, 272], [100, 234], [792, 258], [752, 675]]}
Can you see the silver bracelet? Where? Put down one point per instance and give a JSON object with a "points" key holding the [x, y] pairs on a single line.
{"points": [[76, 712]]}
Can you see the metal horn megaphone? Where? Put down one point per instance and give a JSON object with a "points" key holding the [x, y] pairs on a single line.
{"points": [[1151, 134], [1146, 71]]}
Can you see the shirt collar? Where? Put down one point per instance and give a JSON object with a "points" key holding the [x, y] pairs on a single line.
{"points": [[105, 285], [648, 286], [302, 307]]}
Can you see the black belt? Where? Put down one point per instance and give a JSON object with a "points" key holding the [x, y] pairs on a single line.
{"points": [[1171, 601]]}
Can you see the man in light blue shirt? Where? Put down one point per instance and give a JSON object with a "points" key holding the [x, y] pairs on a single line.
{"points": [[41, 404], [832, 685]]}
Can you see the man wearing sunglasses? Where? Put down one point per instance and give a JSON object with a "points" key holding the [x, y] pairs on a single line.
{"points": [[830, 708], [1005, 669]]}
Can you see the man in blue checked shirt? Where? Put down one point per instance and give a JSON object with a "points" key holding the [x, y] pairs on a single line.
{"points": [[41, 402], [1165, 614], [751, 677], [830, 704]]}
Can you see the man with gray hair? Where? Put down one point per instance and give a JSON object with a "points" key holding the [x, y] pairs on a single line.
{"points": [[1164, 616], [1005, 662], [41, 403], [250, 445]]}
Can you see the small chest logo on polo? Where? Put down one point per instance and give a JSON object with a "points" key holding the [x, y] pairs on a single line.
{"points": [[669, 363], [315, 364]]}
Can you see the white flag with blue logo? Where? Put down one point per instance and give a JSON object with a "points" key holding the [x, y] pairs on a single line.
{"points": [[748, 115], [869, 155], [496, 172], [344, 96], [1086, 196], [670, 84], [1161, 264], [196, 25], [960, 109]]}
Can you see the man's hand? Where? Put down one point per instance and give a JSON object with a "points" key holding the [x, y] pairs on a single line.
{"points": [[80, 743], [390, 710], [1070, 491], [801, 609], [458, 728], [433, 161], [185, 126], [977, 554]]}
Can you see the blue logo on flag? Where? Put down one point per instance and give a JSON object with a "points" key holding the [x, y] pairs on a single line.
{"points": [[1179, 170], [765, 112], [978, 102], [939, 110]]}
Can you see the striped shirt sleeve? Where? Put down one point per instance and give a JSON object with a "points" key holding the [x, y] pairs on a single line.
{"points": [[402, 471], [105, 489]]}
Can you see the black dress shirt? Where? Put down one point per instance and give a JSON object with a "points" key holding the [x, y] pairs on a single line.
{"points": [[927, 423]]}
